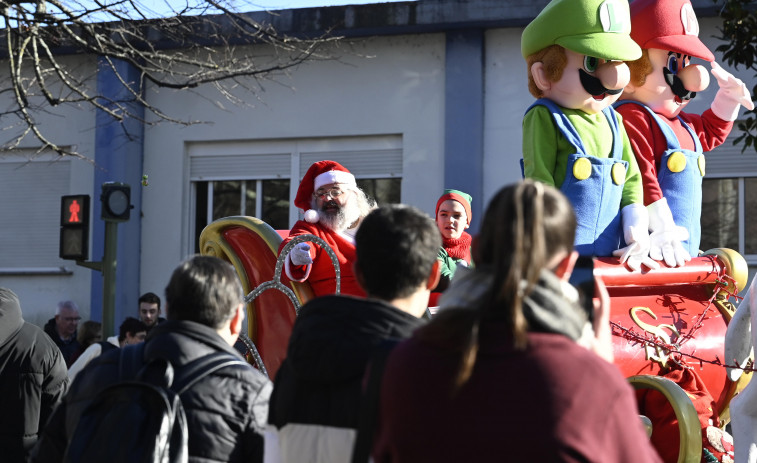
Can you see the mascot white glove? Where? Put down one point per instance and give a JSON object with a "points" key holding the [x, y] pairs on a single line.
{"points": [[635, 231], [732, 95], [666, 237], [300, 254]]}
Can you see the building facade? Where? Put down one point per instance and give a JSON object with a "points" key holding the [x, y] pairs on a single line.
{"points": [[425, 95]]}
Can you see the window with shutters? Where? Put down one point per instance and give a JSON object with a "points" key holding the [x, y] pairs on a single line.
{"points": [[255, 178], [729, 201], [31, 186]]}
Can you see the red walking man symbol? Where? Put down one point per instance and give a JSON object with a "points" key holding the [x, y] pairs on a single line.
{"points": [[74, 209]]}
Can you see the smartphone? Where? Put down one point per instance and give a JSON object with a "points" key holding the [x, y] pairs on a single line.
{"points": [[582, 278]]}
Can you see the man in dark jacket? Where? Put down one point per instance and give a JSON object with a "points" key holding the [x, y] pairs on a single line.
{"points": [[316, 398], [226, 410], [32, 379], [62, 329]]}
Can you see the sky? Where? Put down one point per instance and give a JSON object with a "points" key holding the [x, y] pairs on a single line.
{"points": [[289, 4]]}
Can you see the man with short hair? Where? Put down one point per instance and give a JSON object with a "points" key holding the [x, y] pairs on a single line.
{"points": [[226, 410], [149, 310], [32, 379], [334, 207], [62, 329], [316, 398], [131, 331]]}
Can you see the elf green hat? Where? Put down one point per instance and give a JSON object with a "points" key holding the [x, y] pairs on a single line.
{"points": [[598, 28]]}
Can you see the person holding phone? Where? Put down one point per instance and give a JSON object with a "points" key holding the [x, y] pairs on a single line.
{"points": [[503, 358]]}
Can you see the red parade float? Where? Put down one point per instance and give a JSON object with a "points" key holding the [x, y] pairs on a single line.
{"points": [[665, 320]]}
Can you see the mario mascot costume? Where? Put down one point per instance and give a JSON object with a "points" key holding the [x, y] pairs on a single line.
{"points": [[667, 142], [572, 137]]}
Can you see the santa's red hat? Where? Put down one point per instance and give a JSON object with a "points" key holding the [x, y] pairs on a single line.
{"points": [[668, 25], [319, 174]]}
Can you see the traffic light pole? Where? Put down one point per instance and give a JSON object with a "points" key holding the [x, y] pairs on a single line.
{"points": [[107, 267], [109, 276], [116, 205]]}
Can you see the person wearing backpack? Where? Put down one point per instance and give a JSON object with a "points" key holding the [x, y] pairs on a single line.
{"points": [[225, 407]]}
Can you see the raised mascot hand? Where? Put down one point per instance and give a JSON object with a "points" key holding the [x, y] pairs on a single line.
{"points": [[732, 94]]}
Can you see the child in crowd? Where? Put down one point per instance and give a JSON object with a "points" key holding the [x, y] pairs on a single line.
{"points": [[453, 216]]}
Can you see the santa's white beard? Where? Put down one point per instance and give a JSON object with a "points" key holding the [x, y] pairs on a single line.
{"points": [[341, 218]]}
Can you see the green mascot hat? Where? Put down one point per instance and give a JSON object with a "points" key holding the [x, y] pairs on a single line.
{"points": [[598, 28]]}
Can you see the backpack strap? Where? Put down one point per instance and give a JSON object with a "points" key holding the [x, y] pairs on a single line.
{"points": [[131, 360], [201, 367]]}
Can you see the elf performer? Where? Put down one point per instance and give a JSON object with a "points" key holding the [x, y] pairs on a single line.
{"points": [[572, 137], [667, 142]]}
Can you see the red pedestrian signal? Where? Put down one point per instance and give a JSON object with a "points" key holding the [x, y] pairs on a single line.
{"points": [[72, 210], [74, 227]]}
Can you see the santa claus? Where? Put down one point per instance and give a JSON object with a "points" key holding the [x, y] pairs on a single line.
{"points": [[334, 207]]}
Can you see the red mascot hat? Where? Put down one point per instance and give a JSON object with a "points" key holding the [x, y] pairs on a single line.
{"points": [[668, 25], [319, 174]]}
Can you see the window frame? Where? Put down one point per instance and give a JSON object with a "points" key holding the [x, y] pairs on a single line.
{"points": [[367, 157]]}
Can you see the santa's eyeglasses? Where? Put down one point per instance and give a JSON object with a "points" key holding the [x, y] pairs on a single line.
{"points": [[333, 193]]}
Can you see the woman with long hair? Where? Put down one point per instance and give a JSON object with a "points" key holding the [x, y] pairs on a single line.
{"points": [[508, 370]]}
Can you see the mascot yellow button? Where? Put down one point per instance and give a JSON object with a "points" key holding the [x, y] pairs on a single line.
{"points": [[618, 173], [701, 163], [582, 169], [677, 162]]}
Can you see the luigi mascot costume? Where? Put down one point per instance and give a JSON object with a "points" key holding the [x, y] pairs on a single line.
{"points": [[572, 137]]}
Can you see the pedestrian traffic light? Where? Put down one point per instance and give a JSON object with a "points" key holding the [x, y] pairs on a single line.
{"points": [[74, 227], [116, 202]]}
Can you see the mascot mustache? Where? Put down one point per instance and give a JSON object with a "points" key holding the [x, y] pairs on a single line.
{"points": [[676, 84], [594, 86]]}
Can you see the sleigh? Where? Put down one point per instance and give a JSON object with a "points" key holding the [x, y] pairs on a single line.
{"points": [[676, 318], [272, 299], [251, 245]]}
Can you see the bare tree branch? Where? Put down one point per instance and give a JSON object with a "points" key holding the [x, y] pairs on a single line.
{"points": [[201, 42]]}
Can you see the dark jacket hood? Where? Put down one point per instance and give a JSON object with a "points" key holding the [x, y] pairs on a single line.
{"points": [[334, 336]]}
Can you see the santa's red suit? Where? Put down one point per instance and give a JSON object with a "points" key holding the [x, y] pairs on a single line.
{"points": [[321, 274]]}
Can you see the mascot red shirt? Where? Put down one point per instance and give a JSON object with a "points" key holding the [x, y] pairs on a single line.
{"points": [[667, 142]]}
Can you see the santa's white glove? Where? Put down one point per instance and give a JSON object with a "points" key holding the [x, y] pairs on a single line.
{"points": [[635, 231], [666, 237], [300, 254], [732, 95]]}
